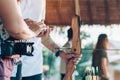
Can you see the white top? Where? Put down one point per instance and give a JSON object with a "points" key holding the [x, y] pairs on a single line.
{"points": [[35, 10], [63, 63]]}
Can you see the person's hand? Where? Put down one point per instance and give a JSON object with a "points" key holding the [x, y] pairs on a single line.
{"points": [[70, 56], [45, 31], [38, 27], [19, 0], [77, 58], [33, 25]]}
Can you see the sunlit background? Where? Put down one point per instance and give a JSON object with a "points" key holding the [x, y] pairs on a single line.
{"points": [[89, 35]]}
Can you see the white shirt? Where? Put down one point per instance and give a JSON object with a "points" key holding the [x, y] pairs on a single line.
{"points": [[63, 63], [35, 10]]}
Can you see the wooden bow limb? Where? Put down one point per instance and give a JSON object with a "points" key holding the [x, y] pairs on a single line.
{"points": [[76, 43], [76, 47]]}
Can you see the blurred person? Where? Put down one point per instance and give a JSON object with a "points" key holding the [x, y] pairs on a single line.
{"points": [[12, 24], [67, 45], [100, 58], [62, 62], [32, 67]]}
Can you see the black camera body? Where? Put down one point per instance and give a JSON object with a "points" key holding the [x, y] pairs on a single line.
{"points": [[9, 48]]}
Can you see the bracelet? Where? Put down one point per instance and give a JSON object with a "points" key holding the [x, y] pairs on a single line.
{"points": [[58, 53]]}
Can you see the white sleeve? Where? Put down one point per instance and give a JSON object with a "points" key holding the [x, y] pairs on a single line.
{"points": [[33, 9]]}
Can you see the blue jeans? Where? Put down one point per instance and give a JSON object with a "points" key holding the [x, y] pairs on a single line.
{"points": [[34, 77]]}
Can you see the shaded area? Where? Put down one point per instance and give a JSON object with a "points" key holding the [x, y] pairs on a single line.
{"points": [[105, 12]]}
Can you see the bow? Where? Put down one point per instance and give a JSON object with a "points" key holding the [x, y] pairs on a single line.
{"points": [[76, 46], [76, 43]]}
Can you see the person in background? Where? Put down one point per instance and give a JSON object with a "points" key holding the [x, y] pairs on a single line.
{"points": [[12, 24], [100, 58], [35, 9], [68, 45]]}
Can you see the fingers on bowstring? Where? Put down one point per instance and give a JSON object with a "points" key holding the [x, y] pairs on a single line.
{"points": [[76, 55], [68, 55], [41, 22], [76, 60]]}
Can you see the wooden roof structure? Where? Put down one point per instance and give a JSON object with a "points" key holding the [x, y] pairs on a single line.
{"points": [[105, 12]]}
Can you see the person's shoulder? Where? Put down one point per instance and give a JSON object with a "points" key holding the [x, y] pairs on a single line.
{"points": [[103, 53]]}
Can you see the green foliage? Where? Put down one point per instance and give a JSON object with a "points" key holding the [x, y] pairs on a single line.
{"points": [[49, 59], [86, 56], [87, 53], [84, 35]]}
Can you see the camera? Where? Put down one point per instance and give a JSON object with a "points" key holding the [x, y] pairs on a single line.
{"points": [[9, 48]]}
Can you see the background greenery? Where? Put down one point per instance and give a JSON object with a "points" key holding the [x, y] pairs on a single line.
{"points": [[50, 59]]}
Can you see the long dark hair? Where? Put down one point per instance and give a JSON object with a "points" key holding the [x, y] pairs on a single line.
{"points": [[69, 34], [101, 42]]}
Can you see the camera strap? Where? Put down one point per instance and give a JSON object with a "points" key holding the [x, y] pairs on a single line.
{"points": [[1, 40], [19, 72], [18, 63]]}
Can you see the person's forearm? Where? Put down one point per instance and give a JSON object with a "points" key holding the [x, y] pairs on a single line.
{"points": [[34, 26], [21, 31], [105, 72], [104, 68], [22, 35], [12, 20], [48, 42]]}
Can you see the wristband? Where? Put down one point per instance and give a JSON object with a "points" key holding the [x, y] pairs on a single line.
{"points": [[58, 53]]}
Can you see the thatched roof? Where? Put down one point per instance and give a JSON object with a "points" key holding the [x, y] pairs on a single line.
{"points": [[60, 12]]}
